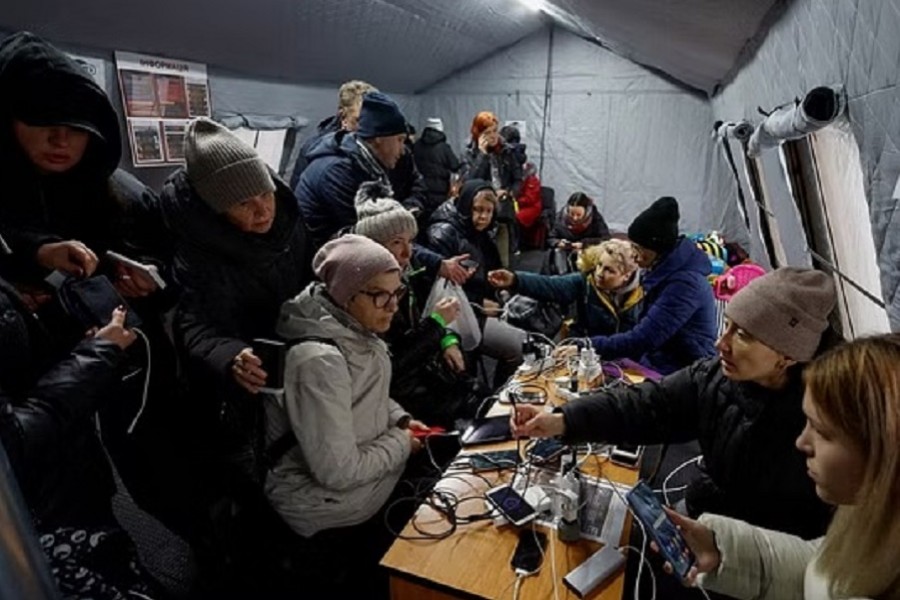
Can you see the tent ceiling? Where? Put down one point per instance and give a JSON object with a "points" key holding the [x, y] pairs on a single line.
{"points": [[400, 45]]}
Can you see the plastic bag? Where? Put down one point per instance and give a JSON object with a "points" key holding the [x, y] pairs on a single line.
{"points": [[466, 324]]}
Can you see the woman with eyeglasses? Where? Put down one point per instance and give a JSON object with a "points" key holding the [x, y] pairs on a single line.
{"points": [[353, 441]]}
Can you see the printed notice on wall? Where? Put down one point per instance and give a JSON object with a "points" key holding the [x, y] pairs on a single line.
{"points": [[160, 96]]}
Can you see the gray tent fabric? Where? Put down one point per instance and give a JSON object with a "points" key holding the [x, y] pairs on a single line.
{"points": [[613, 129], [853, 43], [819, 107]]}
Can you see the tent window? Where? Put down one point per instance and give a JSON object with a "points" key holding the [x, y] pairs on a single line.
{"points": [[269, 143], [825, 176]]}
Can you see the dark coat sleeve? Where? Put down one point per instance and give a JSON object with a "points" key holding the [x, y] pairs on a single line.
{"points": [[449, 158], [647, 413], [205, 318], [516, 175], [475, 165], [32, 425], [427, 258], [412, 348], [564, 289], [668, 313], [443, 239]]}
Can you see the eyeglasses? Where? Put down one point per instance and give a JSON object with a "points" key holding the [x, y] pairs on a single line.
{"points": [[382, 299]]}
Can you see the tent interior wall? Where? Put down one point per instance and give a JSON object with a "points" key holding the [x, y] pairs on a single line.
{"points": [[622, 132]]}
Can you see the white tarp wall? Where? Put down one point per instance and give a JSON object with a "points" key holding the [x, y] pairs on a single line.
{"points": [[850, 42], [615, 130]]}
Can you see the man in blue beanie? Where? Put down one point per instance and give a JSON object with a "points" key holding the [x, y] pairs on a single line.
{"points": [[341, 161]]}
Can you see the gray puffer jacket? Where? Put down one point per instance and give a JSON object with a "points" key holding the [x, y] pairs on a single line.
{"points": [[351, 452]]}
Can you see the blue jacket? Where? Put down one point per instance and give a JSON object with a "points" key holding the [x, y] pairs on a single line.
{"points": [[677, 324], [327, 187], [596, 314]]}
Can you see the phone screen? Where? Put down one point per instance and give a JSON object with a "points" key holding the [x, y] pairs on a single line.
{"points": [[489, 461], [661, 528], [529, 551], [546, 450], [511, 505]]}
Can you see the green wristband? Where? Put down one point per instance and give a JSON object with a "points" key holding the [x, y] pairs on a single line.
{"points": [[449, 340], [440, 320]]}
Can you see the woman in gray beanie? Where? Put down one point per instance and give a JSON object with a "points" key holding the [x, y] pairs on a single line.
{"points": [[744, 407], [353, 439]]}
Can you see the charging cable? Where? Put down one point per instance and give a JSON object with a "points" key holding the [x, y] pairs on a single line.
{"points": [[140, 411], [665, 485]]}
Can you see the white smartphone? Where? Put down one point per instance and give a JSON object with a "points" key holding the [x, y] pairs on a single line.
{"points": [[147, 270], [511, 505]]}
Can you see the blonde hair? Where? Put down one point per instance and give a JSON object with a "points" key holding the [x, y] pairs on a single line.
{"points": [[351, 94], [620, 251], [856, 388]]}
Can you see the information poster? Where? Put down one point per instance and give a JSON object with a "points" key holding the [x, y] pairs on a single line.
{"points": [[160, 96]]}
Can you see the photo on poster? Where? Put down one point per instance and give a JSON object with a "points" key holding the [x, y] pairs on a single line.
{"points": [[174, 139], [198, 99], [139, 91], [172, 96], [146, 142]]}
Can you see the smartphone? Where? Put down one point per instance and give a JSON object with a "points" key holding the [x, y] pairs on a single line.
{"points": [[493, 461], [487, 430], [626, 455], [529, 552], [511, 505], [271, 353], [147, 270], [661, 528], [468, 263], [546, 451]]}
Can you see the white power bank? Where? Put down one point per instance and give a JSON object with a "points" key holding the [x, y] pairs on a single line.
{"points": [[585, 578]]}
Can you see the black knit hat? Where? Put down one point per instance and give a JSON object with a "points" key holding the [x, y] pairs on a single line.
{"points": [[657, 227], [380, 116]]}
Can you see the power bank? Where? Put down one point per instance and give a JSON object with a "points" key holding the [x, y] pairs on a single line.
{"points": [[587, 576]]}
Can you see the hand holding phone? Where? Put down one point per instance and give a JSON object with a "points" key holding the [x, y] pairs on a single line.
{"points": [[131, 265], [702, 542], [661, 529]]}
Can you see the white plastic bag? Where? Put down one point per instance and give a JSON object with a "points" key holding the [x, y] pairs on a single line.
{"points": [[466, 324]]}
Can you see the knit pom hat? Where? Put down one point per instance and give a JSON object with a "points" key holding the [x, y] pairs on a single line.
{"points": [[347, 263], [657, 227], [434, 123], [380, 217], [380, 116], [787, 310], [222, 168]]}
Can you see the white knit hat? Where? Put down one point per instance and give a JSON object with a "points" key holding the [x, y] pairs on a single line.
{"points": [[380, 217], [434, 123]]}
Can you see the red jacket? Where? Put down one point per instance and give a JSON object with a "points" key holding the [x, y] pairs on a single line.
{"points": [[529, 201]]}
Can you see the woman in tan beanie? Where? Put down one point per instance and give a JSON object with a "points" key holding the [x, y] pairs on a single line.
{"points": [[744, 407]]}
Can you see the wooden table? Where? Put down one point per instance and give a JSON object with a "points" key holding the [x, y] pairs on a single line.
{"points": [[474, 562]]}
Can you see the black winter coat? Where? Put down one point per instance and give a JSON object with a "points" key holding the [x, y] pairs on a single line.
{"points": [[747, 433], [327, 188], [436, 161], [477, 165], [234, 282], [47, 405], [451, 234], [93, 202], [326, 126], [595, 233]]}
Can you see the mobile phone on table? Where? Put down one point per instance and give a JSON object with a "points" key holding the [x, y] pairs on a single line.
{"points": [[661, 528], [546, 450], [492, 461], [529, 552], [511, 504]]}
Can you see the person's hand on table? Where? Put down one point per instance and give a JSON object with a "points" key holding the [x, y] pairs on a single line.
{"points": [[702, 542], [527, 420]]}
